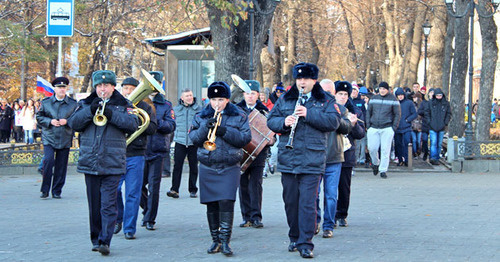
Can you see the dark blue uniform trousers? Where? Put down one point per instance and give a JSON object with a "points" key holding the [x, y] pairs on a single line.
{"points": [[251, 193], [151, 195], [101, 195], [299, 194], [54, 167]]}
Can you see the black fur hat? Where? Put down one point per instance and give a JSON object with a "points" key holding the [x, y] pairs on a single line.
{"points": [[305, 70], [219, 89], [343, 86], [383, 85]]}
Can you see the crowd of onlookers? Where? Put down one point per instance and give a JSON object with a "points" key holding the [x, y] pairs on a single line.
{"points": [[18, 121]]}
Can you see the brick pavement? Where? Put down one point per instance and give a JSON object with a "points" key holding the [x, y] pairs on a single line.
{"points": [[408, 217]]}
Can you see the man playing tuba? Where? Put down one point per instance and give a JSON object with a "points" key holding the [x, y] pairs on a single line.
{"points": [[127, 214]]}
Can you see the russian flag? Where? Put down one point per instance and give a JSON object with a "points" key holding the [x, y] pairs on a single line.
{"points": [[43, 86]]}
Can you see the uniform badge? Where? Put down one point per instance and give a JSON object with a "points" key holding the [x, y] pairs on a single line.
{"points": [[172, 114], [337, 108], [130, 111]]}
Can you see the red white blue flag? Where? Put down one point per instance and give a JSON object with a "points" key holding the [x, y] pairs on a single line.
{"points": [[43, 86]]}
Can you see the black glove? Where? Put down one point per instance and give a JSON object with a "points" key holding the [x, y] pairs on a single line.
{"points": [[94, 105], [108, 113], [221, 130], [210, 123]]}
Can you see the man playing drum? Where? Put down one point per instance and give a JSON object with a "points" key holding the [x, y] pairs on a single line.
{"points": [[251, 179]]}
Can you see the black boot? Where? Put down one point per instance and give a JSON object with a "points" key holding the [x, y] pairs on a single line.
{"points": [[226, 226], [213, 224]]}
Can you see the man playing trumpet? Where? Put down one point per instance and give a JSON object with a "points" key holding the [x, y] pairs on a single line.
{"points": [[219, 169], [103, 152], [302, 165]]}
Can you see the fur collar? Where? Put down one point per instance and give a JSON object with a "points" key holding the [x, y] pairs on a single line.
{"points": [[230, 110], [115, 99], [317, 93]]}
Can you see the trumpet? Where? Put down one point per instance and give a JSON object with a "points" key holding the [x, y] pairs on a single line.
{"points": [[210, 143], [289, 145], [99, 118]]}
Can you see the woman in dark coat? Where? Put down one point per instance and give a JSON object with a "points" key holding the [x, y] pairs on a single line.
{"points": [[219, 170]]}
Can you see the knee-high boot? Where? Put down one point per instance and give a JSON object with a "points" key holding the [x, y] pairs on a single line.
{"points": [[226, 227], [213, 224]]}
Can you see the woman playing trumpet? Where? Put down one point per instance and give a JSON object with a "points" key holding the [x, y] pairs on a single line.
{"points": [[219, 170]]}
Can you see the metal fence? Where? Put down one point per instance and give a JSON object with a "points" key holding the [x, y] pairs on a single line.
{"points": [[13, 157], [477, 149]]}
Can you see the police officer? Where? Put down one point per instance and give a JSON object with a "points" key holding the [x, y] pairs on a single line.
{"points": [[135, 169], [103, 152], [251, 179], [219, 172], [155, 153], [302, 166], [56, 136]]}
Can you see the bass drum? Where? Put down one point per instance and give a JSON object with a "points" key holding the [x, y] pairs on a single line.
{"points": [[261, 137]]}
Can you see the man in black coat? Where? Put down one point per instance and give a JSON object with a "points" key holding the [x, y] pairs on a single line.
{"points": [[438, 114], [57, 137], [127, 214], [251, 179], [103, 152], [302, 166]]}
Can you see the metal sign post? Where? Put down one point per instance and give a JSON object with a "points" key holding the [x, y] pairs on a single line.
{"points": [[60, 21]]}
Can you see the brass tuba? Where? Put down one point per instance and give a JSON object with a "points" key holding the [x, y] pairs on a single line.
{"points": [[210, 143], [147, 86]]}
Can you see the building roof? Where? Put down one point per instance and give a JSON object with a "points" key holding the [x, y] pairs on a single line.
{"points": [[193, 37]]}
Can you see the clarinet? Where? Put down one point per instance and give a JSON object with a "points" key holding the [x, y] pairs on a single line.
{"points": [[289, 145]]}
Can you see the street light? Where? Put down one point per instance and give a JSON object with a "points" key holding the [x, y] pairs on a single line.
{"points": [[470, 9], [427, 30]]}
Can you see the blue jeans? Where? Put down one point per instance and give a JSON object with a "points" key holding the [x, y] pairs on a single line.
{"points": [[330, 186], [436, 143], [28, 136], [133, 185], [401, 141], [416, 138]]}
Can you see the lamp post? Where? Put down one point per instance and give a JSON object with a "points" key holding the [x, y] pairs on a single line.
{"points": [[251, 11], [427, 30], [471, 5], [282, 61]]}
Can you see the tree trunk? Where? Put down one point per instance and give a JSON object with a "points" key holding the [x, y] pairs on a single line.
{"points": [[435, 48], [448, 53], [459, 72], [489, 61], [416, 44], [232, 46]]}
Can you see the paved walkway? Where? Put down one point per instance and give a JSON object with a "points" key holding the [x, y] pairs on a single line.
{"points": [[408, 217]]}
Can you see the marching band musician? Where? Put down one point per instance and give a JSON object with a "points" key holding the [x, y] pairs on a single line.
{"points": [[303, 165], [156, 151], [103, 152], [219, 169], [251, 179], [127, 214]]}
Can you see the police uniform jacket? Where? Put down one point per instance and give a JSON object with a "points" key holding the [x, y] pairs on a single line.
{"points": [[260, 160], [103, 148], [308, 155], [165, 117], [138, 146], [58, 137], [183, 118], [229, 145]]}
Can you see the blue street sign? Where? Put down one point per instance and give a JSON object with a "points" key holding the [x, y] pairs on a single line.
{"points": [[60, 17]]}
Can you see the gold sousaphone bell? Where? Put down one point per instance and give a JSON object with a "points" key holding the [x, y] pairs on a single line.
{"points": [[147, 86]]}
